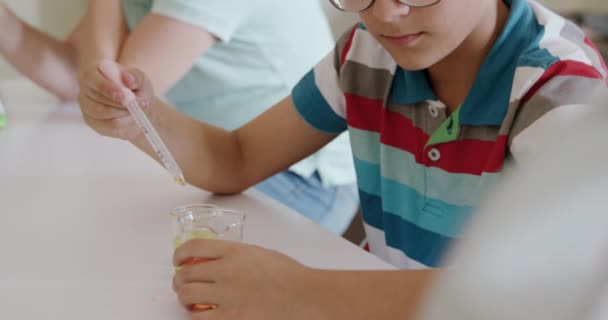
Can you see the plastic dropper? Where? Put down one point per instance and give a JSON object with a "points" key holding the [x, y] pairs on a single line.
{"points": [[111, 71]]}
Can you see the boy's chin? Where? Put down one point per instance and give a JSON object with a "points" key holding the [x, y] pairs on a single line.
{"points": [[415, 61], [412, 64]]}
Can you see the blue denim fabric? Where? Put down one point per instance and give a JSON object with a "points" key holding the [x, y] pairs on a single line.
{"points": [[332, 207]]}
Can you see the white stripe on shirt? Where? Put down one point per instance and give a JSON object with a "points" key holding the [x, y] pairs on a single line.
{"points": [[552, 40], [377, 244], [367, 51], [328, 83]]}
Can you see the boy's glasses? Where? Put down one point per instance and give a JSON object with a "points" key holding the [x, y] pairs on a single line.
{"points": [[361, 5]]}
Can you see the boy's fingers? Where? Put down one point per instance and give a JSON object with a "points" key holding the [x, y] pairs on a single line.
{"points": [[129, 80], [100, 98], [123, 128], [133, 79], [202, 272], [200, 248], [100, 126], [197, 293], [99, 110], [95, 81]]}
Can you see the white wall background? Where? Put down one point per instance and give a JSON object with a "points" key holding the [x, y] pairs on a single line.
{"points": [[340, 21]]}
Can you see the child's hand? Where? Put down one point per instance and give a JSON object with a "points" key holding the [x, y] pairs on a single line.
{"points": [[244, 282], [105, 89]]}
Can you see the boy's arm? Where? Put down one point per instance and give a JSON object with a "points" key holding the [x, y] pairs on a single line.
{"points": [[218, 160], [221, 161], [211, 158], [282, 288]]}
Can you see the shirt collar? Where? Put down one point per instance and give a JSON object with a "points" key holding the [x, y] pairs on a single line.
{"points": [[488, 100]]}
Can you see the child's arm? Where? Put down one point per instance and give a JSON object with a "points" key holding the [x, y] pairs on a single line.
{"points": [[102, 34], [49, 62], [211, 158], [226, 162], [165, 48], [104, 30], [280, 288], [54, 64]]}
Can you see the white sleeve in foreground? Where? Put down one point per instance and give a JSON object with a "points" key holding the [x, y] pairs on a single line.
{"points": [[533, 140]]}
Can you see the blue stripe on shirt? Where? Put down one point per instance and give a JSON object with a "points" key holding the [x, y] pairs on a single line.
{"points": [[430, 214], [314, 109], [418, 244]]}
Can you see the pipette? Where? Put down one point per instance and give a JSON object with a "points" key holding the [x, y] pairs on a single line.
{"points": [[111, 71]]}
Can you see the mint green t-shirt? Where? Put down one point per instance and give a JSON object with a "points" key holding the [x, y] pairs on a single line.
{"points": [[264, 48]]}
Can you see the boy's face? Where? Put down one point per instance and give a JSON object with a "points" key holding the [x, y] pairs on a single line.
{"points": [[418, 38]]}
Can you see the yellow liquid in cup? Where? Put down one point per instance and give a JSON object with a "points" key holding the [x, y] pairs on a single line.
{"points": [[198, 234], [178, 241]]}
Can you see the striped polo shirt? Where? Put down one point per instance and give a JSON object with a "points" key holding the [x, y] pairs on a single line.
{"points": [[420, 170]]}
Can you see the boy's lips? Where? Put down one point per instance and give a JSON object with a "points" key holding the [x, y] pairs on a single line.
{"points": [[403, 40]]}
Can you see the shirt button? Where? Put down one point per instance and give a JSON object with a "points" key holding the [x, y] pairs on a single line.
{"points": [[434, 155], [434, 111], [435, 108]]}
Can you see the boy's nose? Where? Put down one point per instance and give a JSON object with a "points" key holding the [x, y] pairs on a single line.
{"points": [[389, 10]]}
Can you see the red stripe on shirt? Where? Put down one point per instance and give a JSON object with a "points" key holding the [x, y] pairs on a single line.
{"points": [[563, 68], [471, 156], [460, 156], [363, 113], [348, 44], [599, 55]]}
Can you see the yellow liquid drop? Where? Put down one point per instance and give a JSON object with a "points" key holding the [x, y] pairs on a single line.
{"points": [[180, 181]]}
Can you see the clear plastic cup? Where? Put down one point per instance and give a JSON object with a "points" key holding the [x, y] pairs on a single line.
{"points": [[205, 221]]}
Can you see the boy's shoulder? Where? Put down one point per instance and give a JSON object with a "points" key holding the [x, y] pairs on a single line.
{"points": [[557, 74], [559, 49]]}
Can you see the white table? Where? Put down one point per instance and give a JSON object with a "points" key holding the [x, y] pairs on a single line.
{"points": [[84, 223]]}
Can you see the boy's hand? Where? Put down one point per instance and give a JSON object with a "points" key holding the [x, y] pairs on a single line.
{"points": [[243, 281], [105, 89]]}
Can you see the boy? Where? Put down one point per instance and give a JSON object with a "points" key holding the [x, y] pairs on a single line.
{"points": [[436, 95]]}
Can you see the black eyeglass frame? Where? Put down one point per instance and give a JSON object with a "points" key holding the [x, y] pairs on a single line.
{"points": [[371, 3]]}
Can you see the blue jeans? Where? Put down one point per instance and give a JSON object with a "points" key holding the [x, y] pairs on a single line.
{"points": [[331, 207]]}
